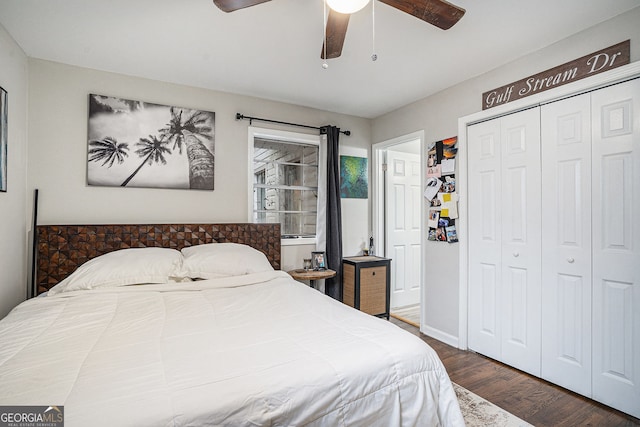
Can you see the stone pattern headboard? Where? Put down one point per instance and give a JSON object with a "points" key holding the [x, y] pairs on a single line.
{"points": [[63, 248]]}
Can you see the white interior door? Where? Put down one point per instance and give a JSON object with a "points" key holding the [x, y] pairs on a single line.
{"points": [[403, 226], [616, 246], [566, 243]]}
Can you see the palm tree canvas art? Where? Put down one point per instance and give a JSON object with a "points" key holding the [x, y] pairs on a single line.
{"points": [[141, 144]]}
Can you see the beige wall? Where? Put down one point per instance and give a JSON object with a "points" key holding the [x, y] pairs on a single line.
{"points": [[13, 216], [58, 98], [438, 116]]}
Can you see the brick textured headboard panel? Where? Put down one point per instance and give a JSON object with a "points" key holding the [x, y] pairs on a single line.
{"points": [[63, 248]]}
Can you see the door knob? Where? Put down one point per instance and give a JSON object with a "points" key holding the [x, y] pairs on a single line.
{"points": [[570, 260], [516, 254]]}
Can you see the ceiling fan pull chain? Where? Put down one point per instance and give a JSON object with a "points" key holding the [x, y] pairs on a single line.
{"points": [[374, 56], [324, 33]]}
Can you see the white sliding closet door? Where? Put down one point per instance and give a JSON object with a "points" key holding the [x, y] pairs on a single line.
{"points": [[554, 242], [616, 246], [566, 243], [521, 240], [485, 238], [504, 239]]}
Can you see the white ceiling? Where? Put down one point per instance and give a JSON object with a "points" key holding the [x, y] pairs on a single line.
{"points": [[272, 50]]}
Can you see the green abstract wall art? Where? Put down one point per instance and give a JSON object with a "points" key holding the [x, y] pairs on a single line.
{"points": [[354, 182]]}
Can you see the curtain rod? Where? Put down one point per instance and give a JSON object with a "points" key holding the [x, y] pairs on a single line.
{"points": [[240, 116]]}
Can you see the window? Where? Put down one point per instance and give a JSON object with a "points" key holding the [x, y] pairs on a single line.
{"points": [[284, 179]]}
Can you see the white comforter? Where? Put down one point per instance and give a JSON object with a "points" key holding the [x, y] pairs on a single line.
{"points": [[255, 350]]}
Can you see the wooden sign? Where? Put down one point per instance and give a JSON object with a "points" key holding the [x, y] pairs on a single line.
{"points": [[589, 65]]}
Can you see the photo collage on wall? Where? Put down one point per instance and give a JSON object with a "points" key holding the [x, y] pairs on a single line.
{"points": [[440, 191]]}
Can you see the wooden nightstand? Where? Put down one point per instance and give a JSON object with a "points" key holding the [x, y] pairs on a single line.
{"points": [[366, 284]]}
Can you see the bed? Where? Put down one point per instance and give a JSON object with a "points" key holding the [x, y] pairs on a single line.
{"points": [[185, 325]]}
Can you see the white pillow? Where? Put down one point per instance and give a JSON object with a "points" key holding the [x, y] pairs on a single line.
{"points": [[215, 260], [123, 267]]}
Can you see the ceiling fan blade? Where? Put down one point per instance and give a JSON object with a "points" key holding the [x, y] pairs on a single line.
{"points": [[440, 13], [231, 5], [336, 31]]}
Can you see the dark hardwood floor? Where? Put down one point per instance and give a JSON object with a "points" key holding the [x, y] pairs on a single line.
{"points": [[532, 399]]}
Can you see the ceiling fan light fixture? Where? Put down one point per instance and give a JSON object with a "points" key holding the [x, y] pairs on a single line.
{"points": [[347, 6]]}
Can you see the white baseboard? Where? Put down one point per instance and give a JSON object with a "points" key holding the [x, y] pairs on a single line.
{"points": [[439, 335]]}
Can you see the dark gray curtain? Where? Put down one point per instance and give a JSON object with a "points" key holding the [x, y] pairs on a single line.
{"points": [[333, 286]]}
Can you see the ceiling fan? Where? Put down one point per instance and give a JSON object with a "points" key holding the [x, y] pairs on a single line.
{"points": [[440, 13]]}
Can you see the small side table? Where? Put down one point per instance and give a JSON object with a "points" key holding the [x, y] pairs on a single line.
{"points": [[311, 275], [366, 284]]}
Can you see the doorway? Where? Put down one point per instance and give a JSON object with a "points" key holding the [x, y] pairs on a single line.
{"points": [[398, 220]]}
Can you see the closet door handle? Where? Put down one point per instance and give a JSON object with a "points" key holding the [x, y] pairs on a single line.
{"points": [[570, 260], [516, 254]]}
